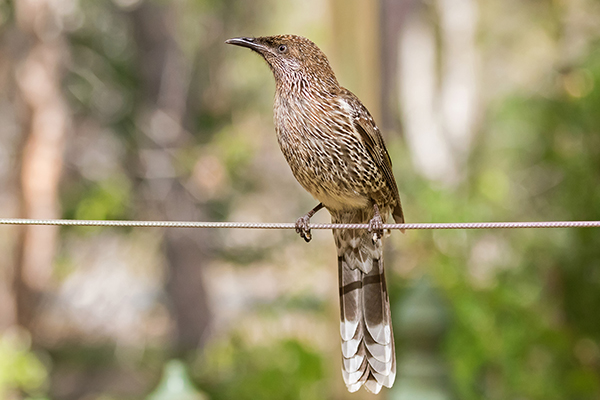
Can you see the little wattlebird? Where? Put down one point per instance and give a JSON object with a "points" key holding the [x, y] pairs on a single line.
{"points": [[337, 153]]}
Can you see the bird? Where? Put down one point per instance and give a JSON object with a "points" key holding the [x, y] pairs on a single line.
{"points": [[337, 153]]}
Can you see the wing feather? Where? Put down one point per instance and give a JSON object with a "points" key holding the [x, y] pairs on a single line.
{"points": [[373, 141]]}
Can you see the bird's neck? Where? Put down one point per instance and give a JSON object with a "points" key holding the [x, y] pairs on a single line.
{"points": [[303, 84]]}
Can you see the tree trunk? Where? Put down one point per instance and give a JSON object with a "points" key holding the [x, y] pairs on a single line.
{"points": [[166, 74], [45, 121]]}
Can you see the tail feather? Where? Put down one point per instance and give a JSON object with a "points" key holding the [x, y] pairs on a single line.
{"points": [[350, 308], [374, 310], [368, 354], [354, 363], [358, 251]]}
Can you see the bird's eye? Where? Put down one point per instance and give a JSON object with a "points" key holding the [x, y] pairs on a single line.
{"points": [[282, 49]]}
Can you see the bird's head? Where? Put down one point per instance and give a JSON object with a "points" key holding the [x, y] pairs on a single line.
{"points": [[291, 58]]}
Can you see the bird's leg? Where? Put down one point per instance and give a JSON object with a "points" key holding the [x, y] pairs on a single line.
{"points": [[302, 227], [376, 224]]}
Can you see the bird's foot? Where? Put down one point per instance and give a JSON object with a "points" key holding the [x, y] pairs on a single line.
{"points": [[303, 228], [376, 225], [302, 223]]}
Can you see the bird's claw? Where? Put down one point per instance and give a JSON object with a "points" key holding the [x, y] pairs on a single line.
{"points": [[376, 227], [303, 229]]}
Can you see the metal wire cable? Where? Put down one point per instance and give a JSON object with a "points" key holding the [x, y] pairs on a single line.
{"points": [[254, 225]]}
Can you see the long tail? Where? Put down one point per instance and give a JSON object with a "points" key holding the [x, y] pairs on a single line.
{"points": [[368, 352]]}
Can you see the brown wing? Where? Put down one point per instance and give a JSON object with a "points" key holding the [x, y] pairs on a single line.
{"points": [[373, 141]]}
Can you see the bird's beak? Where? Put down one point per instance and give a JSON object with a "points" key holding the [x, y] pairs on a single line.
{"points": [[250, 43]]}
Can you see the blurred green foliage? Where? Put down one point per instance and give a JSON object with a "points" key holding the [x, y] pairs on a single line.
{"points": [[20, 368], [285, 369], [105, 200], [533, 332]]}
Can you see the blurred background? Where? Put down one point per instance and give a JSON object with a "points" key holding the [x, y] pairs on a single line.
{"points": [[136, 109]]}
